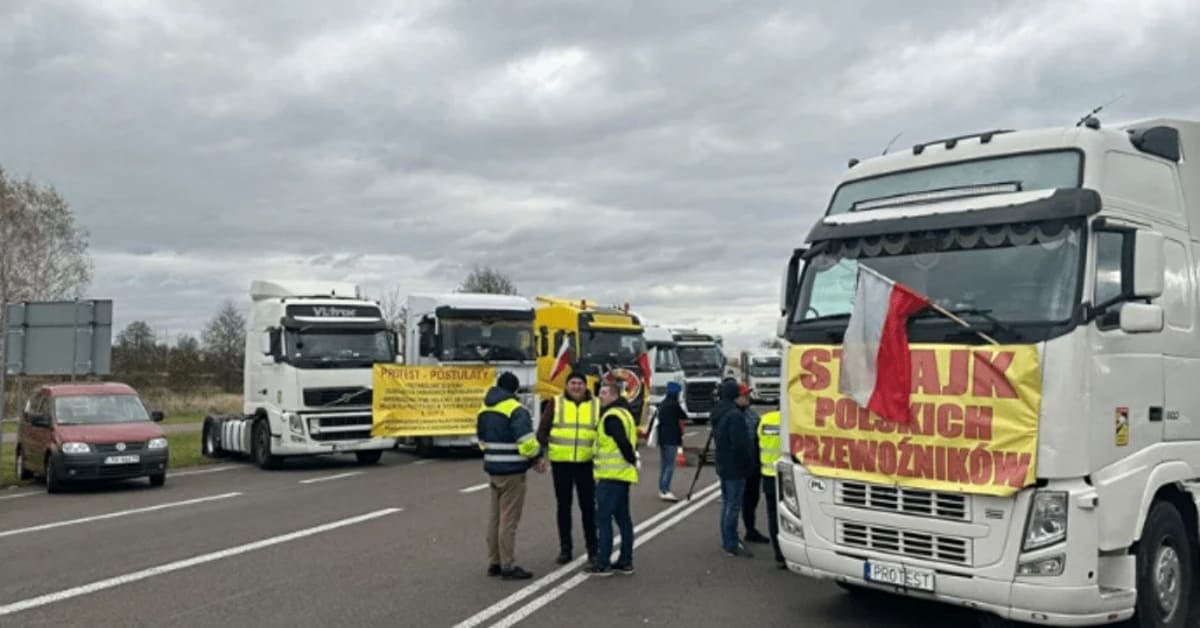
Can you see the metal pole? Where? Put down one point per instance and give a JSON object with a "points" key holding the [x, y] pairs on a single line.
{"points": [[74, 339]]}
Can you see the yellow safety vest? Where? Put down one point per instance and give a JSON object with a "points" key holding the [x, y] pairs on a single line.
{"points": [[768, 442], [524, 448], [573, 432], [610, 464]]}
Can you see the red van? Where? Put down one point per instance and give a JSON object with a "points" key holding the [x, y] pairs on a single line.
{"points": [[93, 431]]}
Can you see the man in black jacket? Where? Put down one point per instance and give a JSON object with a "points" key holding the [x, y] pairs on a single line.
{"points": [[670, 439], [754, 479], [734, 462]]}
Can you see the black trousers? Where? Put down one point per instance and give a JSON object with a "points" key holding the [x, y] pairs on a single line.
{"points": [[750, 499], [576, 477], [771, 492]]}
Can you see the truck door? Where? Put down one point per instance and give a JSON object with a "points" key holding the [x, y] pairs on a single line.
{"points": [[1126, 379], [1181, 416]]}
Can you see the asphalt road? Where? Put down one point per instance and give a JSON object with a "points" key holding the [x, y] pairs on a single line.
{"points": [[327, 543]]}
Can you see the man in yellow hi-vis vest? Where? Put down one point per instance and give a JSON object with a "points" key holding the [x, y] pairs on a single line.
{"points": [[769, 452], [568, 432], [616, 471]]}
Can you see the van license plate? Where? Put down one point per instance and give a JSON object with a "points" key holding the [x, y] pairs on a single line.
{"points": [[898, 575], [122, 459]]}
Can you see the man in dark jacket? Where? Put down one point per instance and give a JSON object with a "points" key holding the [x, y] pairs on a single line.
{"points": [[734, 462], [505, 432], [754, 479], [670, 438]]}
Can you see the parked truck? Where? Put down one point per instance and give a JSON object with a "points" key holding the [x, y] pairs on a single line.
{"points": [[471, 329], [704, 366], [310, 350], [760, 371], [1049, 469]]}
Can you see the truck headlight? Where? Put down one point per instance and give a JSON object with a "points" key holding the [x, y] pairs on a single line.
{"points": [[787, 486], [1049, 566], [76, 448], [295, 423], [157, 443], [1047, 523]]}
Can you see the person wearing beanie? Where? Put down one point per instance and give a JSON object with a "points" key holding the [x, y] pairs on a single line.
{"points": [[568, 433], [670, 439], [510, 448]]}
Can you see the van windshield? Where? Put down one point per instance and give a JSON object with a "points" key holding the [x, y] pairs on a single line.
{"points": [[1033, 171], [99, 409]]}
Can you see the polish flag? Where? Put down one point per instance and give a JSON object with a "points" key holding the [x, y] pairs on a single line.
{"points": [[562, 360], [644, 365], [876, 367]]}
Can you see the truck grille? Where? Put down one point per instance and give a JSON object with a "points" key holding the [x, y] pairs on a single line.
{"points": [[337, 396], [904, 500], [700, 396], [908, 543], [355, 420]]}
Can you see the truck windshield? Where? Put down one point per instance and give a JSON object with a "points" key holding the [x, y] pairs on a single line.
{"points": [[93, 409], [472, 340], [701, 357], [337, 348], [764, 367], [1033, 171], [606, 347], [666, 359], [1004, 276]]}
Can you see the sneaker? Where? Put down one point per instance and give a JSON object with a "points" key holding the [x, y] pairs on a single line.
{"points": [[600, 572], [739, 551], [564, 557], [623, 569], [516, 573], [668, 496], [493, 571]]}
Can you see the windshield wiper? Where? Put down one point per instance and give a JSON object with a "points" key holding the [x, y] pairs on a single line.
{"points": [[984, 313]]}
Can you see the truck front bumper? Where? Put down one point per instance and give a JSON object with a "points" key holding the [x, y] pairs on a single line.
{"points": [[294, 445], [1037, 604]]}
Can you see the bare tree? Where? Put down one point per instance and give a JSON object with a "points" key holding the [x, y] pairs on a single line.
{"points": [[771, 343], [43, 253], [185, 366], [395, 312], [224, 346], [488, 280]]}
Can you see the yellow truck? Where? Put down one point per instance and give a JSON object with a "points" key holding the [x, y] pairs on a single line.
{"points": [[599, 341]]}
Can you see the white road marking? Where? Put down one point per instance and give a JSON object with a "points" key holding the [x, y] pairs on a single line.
{"points": [[19, 495], [524, 612], [690, 434], [423, 461], [499, 607], [176, 474], [119, 513], [331, 477], [474, 489], [100, 585]]}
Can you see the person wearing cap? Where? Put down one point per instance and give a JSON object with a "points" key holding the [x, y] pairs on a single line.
{"points": [[568, 432], [754, 475], [734, 459], [670, 438], [510, 448]]}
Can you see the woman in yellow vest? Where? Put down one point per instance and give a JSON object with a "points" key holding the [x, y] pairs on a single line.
{"points": [[769, 452], [616, 471]]}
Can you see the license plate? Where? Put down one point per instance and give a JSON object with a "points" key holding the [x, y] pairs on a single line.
{"points": [[121, 459], [898, 575]]}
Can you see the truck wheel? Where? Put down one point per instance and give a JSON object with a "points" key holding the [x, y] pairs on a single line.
{"points": [[208, 441], [1164, 570], [53, 483], [158, 479], [425, 447], [368, 457], [22, 472], [261, 449]]}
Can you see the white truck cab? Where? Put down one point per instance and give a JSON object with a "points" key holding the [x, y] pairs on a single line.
{"points": [[760, 371], [1075, 249], [310, 351], [704, 366], [664, 365], [464, 329]]}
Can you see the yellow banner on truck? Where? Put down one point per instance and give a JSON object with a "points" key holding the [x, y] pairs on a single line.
{"points": [[428, 400], [973, 425]]}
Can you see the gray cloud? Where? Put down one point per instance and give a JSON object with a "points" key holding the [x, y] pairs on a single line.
{"points": [[669, 156]]}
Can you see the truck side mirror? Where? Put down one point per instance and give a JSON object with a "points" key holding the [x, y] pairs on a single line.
{"points": [[791, 277], [427, 343], [1140, 318], [1148, 265]]}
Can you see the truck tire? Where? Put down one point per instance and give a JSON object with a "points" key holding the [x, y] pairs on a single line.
{"points": [[368, 457], [261, 446], [1164, 570], [425, 448], [208, 441], [19, 461]]}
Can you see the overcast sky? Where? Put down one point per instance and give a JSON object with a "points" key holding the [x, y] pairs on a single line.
{"points": [[395, 144]]}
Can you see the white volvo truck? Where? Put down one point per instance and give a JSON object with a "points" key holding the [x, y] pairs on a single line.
{"points": [[464, 329], [310, 351], [1052, 478], [760, 371], [704, 366]]}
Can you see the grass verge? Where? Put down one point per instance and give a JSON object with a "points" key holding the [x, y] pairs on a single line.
{"points": [[184, 448]]}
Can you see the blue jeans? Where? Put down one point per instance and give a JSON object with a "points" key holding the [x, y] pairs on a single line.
{"points": [[667, 470], [612, 502], [732, 491]]}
